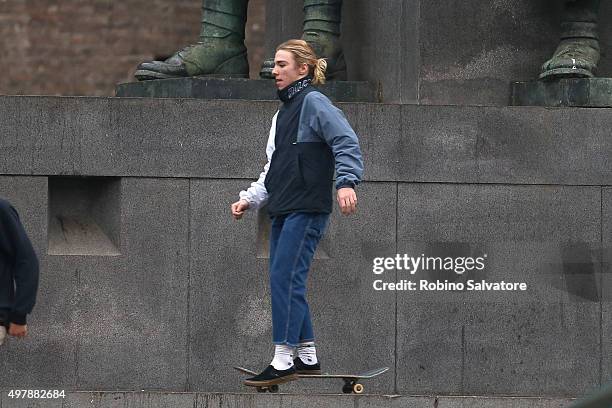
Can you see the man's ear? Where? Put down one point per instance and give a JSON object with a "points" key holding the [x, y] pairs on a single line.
{"points": [[303, 69]]}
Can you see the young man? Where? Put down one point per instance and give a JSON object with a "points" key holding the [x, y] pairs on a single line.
{"points": [[309, 139], [18, 274]]}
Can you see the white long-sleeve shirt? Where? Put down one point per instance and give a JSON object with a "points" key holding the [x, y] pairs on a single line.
{"points": [[256, 194]]}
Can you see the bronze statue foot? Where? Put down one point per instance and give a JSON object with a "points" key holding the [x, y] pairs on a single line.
{"points": [[173, 67], [577, 54], [216, 57], [576, 58]]}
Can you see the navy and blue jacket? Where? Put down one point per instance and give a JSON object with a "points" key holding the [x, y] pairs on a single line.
{"points": [[309, 139], [18, 268]]}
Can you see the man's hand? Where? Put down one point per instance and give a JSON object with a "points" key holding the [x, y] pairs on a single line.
{"points": [[18, 330], [347, 200], [239, 207]]}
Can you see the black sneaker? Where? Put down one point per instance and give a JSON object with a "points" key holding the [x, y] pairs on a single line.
{"points": [[303, 368], [271, 376]]}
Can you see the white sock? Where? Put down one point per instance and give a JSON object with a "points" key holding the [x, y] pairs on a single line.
{"points": [[2, 334], [283, 357], [307, 352]]}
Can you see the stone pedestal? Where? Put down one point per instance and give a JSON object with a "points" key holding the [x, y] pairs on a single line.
{"points": [[530, 187], [451, 52], [583, 92], [246, 89]]}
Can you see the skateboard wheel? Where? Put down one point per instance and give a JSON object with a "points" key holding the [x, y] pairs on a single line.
{"points": [[261, 389], [357, 388], [347, 389], [273, 388]]}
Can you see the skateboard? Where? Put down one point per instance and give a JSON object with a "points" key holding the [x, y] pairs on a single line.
{"points": [[351, 381]]}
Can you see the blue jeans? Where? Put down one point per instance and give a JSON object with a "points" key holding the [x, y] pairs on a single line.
{"points": [[293, 240]]}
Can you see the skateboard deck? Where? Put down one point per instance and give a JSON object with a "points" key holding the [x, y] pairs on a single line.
{"points": [[351, 381]]}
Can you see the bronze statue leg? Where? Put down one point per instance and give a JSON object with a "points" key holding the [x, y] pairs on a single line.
{"points": [[322, 32], [220, 50], [578, 52]]}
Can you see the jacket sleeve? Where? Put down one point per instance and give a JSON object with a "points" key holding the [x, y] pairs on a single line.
{"points": [[256, 194], [26, 269], [331, 124]]}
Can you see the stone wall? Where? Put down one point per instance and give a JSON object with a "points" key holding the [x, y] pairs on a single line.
{"points": [[153, 285]]}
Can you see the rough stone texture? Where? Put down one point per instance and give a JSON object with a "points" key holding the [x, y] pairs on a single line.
{"points": [[138, 342], [91, 136], [606, 285], [379, 128], [515, 183], [108, 322], [252, 400], [390, 53], [84, 216], [229, 304], [245, 89], [473, 62], [547, 237], [523, 145], [508, 402], [470, 54], [585, 92], [84, 48], [191, 138], [441, 52]]}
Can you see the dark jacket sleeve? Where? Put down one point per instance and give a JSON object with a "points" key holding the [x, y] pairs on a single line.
{"points": [[25, 270]]}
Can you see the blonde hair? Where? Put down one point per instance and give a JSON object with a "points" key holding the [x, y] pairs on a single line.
{"points": [[304, 54]]}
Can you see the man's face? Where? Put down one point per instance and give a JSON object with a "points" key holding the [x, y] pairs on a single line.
{"points": [[286, 70]]}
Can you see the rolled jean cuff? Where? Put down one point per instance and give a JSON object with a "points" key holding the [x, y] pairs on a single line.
{"points": [[284, 343], [18, 318]]}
